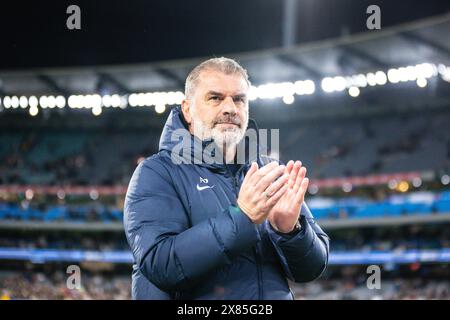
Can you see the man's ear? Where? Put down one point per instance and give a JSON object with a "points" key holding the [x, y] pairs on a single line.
{"points": [[185, 108]]}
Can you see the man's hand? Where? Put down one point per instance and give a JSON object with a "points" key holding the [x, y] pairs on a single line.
{"points": [[284, 215], [260, 192]]}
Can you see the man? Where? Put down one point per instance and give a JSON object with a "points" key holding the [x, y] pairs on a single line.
{"points": [[219, 230]]}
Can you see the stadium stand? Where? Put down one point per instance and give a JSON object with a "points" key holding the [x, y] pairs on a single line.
{"points": [[379, 165]]}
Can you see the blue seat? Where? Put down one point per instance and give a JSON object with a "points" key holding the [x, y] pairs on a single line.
{"points": [[55, 213], [394, 209], [442, 206], [418, 208], [444, 195], [117, 214], [319, 213]]}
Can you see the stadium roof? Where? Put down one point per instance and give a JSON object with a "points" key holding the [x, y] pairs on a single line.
{"points": [[422, 41], [412, 44]]}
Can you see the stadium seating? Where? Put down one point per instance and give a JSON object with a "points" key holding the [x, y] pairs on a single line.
{"points": [[357, 208], [327, 149]]}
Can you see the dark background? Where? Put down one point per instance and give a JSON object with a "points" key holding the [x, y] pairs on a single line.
{"points": [[34, 34]]}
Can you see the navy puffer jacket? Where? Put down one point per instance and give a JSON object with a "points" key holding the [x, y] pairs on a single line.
{"points": [[190, 240]]}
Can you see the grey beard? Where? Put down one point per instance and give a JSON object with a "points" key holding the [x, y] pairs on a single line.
{"points": [[228, 137]]}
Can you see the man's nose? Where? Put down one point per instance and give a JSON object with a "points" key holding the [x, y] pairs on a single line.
{"points": [[228, 106]]}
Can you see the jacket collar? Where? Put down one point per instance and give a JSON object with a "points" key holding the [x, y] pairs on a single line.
{"points": [[176, 132]]}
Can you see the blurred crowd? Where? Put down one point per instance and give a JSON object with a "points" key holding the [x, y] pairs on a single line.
{"points": [[328, 149], [100, 287], [363, 239], [400, 238], [15, 286], [353, 289]]}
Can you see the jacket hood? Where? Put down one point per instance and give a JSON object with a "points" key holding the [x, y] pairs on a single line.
{"points": [[187, 148]]}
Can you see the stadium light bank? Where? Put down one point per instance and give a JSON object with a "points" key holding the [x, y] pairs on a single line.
{"points": [[287, 91]]}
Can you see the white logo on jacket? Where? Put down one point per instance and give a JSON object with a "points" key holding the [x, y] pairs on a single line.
{"points": [[203, 180]]}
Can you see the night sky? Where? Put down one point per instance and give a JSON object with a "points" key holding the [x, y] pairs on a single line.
{"points": [[34, 34]]}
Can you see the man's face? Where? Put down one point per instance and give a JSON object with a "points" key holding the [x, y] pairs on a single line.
{"points": [[218, 108]]}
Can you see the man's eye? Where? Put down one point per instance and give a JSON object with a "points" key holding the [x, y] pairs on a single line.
{"points": [[215, 98]]}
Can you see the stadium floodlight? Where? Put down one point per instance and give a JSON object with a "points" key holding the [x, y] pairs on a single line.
{"points": [[444, 72], [327, 84], [43, 102], [60, 102], [425, 70], [175, 97], [371, 79], [141, 100], [71, 101], [417, 182], [421, 82], [33, 102], [285, 90], [347, 187], [51, 102], [353, 92], [14, 102], [252, 93], [115, 101], [266, 91], [275, 90], [349, 81], [313, 189], [380, 78], [300, 87], [157, 99], [23, 102], [7, 102], [360, 80], [97, 100], [96, 110], [339, 83], [179, 97], [93, 194], [87, 101], [393, 75], [61, 194], [403, 74], [160, 108], [288, 99], [148, 99], [132, 100], [123, 102], [92, 101], [106, 101], [170, 98], [441, 68], [403, 186], [411, 73], [33, 110], [80, 101], [84, 101], [445, 179], [29, 194], [76, 101], [334, 84], [392, 184], [309, 86]]}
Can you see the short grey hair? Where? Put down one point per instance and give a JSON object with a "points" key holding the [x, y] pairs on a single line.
{"points": [[225, 65]]}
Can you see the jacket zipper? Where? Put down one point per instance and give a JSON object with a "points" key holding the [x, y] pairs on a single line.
{"points": [[235, 183], [257, 255], [259, 273]]}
